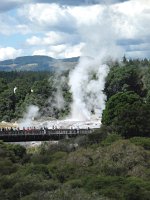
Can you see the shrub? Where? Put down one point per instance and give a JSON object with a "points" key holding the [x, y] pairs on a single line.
{"points": [[110, 139], [99, 134], [137, 189], [141, 141], [38, 169], [122, 158], [75, 183], [107, 186]]}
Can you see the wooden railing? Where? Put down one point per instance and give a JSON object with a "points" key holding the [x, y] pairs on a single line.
{"points": [[41, 134]]}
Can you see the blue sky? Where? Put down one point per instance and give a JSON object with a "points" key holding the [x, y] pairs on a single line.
{"points": [[60, 28]]}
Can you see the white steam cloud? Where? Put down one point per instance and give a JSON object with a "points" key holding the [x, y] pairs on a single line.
{"points": [[87, 80], [31, 113], [59, 101], [87, 83], [56, 102]]}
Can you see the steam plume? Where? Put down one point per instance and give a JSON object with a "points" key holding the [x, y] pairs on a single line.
{"points": [[31, 113], [56, 101], [87, 80]]}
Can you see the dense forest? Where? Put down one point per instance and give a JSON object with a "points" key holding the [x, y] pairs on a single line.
{"points": [[49, 91], [112, 163]]}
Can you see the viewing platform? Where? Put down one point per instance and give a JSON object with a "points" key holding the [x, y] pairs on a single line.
{"points": [[41, 135]]}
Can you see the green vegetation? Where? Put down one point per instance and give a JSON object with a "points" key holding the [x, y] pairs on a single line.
{"points": [[128, 114], [108, 168], [33, 88], [128, 107]]}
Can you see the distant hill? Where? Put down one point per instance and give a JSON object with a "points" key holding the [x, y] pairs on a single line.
{"points": [[37, 63]]}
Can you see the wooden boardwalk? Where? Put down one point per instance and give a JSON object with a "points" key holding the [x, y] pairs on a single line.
{"points": [[41, 135]]}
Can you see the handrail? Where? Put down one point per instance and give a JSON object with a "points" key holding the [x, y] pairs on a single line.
{"points": [[45, 132]]}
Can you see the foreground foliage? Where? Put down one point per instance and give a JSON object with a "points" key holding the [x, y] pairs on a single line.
{"points": [[108, 167]]}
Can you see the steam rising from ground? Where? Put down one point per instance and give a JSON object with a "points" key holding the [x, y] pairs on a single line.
{"points": [[31, 112], [58, 100], [87, 84], [87, 80]]}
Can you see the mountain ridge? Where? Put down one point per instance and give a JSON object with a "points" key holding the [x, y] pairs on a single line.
{"points": [[37, 63]]}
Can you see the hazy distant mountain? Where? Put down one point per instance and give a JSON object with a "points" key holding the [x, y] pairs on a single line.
{"points": [[37, 63]]}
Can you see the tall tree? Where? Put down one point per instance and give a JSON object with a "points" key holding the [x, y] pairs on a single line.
{"points": [[128, 114]]}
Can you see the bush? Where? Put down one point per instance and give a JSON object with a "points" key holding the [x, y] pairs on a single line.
{"points": [[25, 186], [141, 141], [7, 167], [62, 171], [75, 183], [19, 150], [38, 169], [99, 134], [110, 139], [40, 159], [65, 193], [108, 186], [121, 188], [58, 155], [137, 189], [122, 158]]}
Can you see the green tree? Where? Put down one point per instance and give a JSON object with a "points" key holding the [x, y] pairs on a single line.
{"points": [[123, 78], [128, 114], [3, 85]]}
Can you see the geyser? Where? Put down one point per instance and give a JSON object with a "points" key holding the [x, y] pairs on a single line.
{"points": [[87, 84], [87, 80]]}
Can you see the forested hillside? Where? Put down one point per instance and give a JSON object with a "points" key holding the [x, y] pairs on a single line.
{"points": [[44, 89]]}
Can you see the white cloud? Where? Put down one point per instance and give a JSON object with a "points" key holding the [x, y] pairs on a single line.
{"points": [[34, 40], [46, 16], [11, 25], [6, 22], [22, 28], [60, 26], [51, 38], [86, 15], [134, 18], [9, 53], [129, 20], [61, 51]]}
